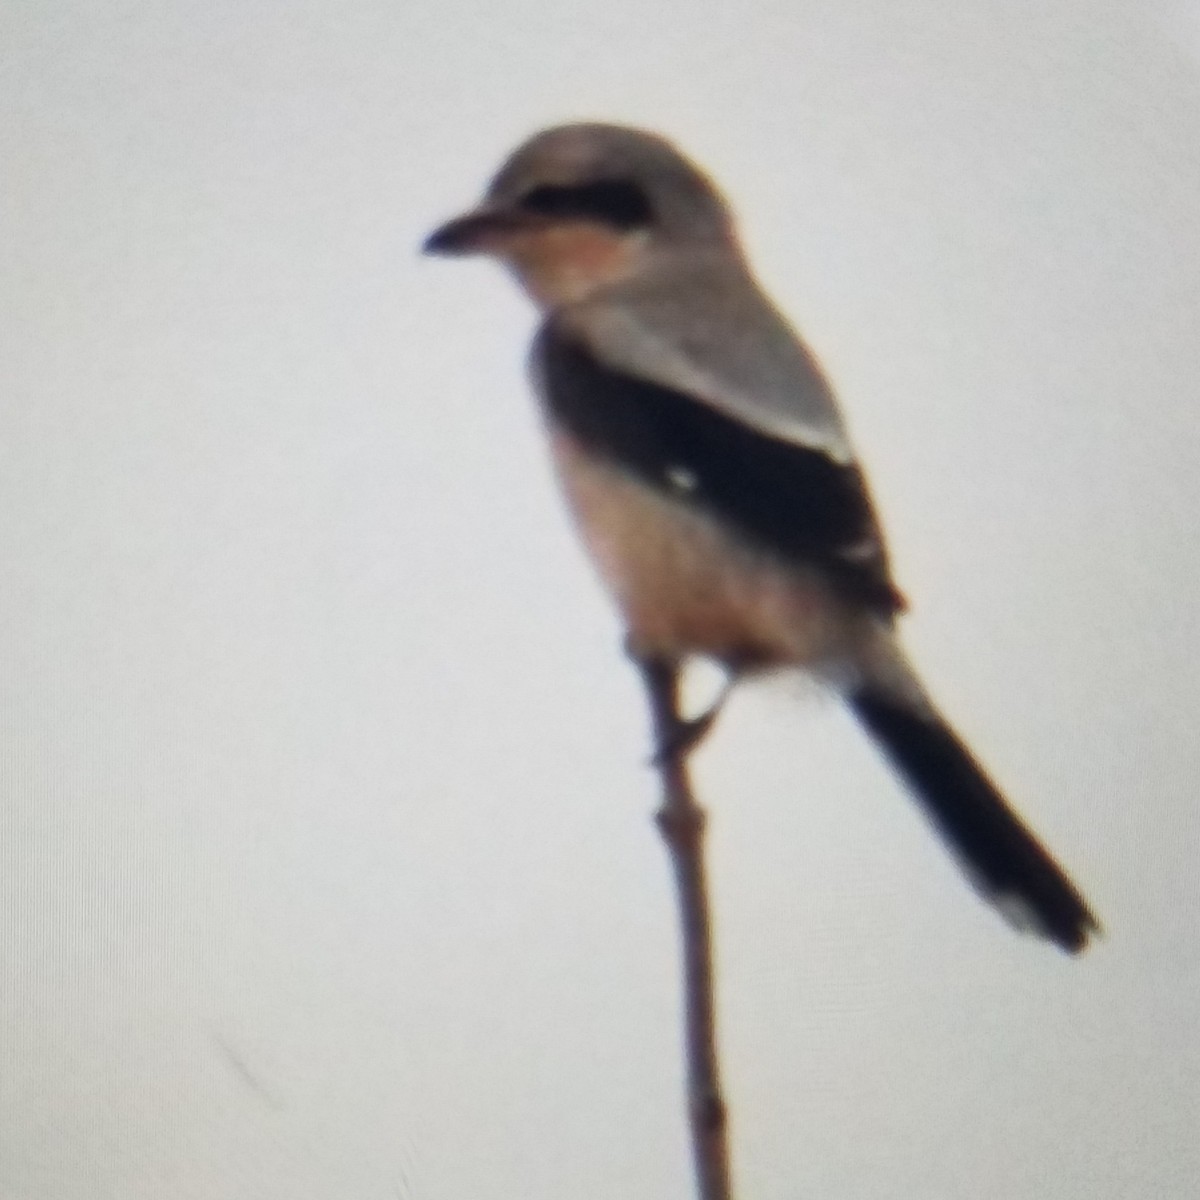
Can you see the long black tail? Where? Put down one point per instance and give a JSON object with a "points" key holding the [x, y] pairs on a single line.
{"points": [[1003, 859]]}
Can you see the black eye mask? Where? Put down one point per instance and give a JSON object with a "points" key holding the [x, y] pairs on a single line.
{"points": [[613, 202]]}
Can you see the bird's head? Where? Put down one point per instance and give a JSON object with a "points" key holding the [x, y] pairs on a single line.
{"points": [[581, 207]]}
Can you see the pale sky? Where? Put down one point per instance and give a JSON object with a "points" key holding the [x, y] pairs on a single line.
{"points": [[327, 862]]}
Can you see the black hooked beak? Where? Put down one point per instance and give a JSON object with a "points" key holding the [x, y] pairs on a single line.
{"points": [[480, 231]]}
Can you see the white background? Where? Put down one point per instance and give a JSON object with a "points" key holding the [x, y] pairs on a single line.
{"points": [[325, 861]]}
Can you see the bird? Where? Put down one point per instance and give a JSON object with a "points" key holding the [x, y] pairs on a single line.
{"points": [[711, 477]]}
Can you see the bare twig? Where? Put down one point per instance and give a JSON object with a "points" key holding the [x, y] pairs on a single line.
{"points": [[681, 821]]}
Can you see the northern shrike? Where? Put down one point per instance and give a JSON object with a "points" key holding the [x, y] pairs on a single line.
{"points": [[701, 451]]}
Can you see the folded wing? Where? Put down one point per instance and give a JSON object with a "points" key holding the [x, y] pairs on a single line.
{"points": [[790, 500]]}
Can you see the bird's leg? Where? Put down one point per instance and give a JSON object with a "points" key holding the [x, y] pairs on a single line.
{"points": [[691, 731], [660, 677], [675, 736]]}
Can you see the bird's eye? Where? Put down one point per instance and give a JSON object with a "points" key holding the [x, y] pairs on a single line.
{"points": [[614, 202]]}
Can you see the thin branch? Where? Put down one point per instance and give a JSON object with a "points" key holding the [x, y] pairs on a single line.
{"points": [[681, 822]]}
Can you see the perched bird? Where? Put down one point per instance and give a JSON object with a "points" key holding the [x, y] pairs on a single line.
{"points": [[701, 451]]}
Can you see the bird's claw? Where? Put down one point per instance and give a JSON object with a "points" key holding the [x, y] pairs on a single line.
{"points": [[686, 735]]}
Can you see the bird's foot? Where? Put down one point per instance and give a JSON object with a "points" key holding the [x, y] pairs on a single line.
{"points": [[686, 734]]}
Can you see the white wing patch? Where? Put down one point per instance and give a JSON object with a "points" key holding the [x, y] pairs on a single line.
{"points": [[683, 480]]}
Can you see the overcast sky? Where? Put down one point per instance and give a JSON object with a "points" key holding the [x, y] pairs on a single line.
{"points": [[326, 866]]}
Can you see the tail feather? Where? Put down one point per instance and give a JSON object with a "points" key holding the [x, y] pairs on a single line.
{"points": [[1003, 859]]}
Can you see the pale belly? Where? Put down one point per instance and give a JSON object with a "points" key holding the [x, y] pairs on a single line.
{"points": [[686, 587]]}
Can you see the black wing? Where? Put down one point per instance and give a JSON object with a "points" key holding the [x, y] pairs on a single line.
{"points": [[791, 500]]}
